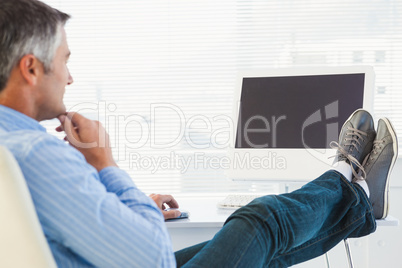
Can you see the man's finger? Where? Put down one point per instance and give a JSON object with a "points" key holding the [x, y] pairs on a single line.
{"points": [[71, 132], [171, 201], [77, 119], [62, 118], [59, 129], [166, 199], [173, 204], [171, 214]]}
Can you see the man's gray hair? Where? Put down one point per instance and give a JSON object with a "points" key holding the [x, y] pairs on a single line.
{"points": [[28, 27]]}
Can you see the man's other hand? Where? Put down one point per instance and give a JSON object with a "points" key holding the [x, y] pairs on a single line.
{"points": [[163, 200], [89, 137]]}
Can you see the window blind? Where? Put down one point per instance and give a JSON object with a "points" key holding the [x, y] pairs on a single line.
{"points": [[160, 75]]}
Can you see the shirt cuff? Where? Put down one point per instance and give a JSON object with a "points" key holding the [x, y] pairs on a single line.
{"points": [[115, 179]]}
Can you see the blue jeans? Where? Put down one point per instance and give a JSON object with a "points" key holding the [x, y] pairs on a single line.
{"points": [[282, 230]]}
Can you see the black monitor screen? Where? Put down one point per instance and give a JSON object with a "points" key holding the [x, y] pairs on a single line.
{"points": [[296, 111]]}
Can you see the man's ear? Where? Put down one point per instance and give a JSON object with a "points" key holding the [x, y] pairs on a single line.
{"points": [[31, 68]]}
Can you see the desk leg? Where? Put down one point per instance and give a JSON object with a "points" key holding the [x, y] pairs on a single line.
{"points": [[347, 248], [327, 260]]}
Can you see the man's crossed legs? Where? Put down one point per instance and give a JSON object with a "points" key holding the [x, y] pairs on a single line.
{"points": [[282, 230]]}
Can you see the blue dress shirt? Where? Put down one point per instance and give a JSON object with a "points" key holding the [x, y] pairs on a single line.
{"points": [[89, 218]]}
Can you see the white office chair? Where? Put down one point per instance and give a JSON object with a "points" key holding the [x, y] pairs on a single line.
{"points": [[22, 242]]}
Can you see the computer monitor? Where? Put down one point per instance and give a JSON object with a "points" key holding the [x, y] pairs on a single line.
{"points": [[286, 119]]}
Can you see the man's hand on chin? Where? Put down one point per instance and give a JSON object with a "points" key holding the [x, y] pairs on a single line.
{"points": [[89, 137]]}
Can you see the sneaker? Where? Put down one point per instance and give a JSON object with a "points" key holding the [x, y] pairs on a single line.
{"points": [[378, 165], [355, 140]]}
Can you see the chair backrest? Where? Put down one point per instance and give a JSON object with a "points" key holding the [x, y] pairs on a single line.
{"points": [[22, 242]]}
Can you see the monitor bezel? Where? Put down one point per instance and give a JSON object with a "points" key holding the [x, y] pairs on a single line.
{"points": [[306, 156]]}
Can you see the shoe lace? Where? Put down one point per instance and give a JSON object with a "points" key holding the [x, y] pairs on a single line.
{"points": [[356, 136], [377, 146]]}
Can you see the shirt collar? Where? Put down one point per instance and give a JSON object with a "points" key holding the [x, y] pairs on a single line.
{"points": [[13, 120]]}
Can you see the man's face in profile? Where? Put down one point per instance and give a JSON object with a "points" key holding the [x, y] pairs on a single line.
{"points": [[53, 83]]}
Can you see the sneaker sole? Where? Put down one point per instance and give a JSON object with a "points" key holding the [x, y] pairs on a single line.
{"points": [[395, 148]]}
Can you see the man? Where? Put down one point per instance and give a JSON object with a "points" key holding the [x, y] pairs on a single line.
{"points": [[91, 212]]}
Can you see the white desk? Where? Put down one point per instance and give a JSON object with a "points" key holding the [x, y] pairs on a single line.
{"points": [[206, 220]]}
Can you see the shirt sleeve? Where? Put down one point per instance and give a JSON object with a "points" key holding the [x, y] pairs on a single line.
{"points": [[117, 181], [102, 217]]}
